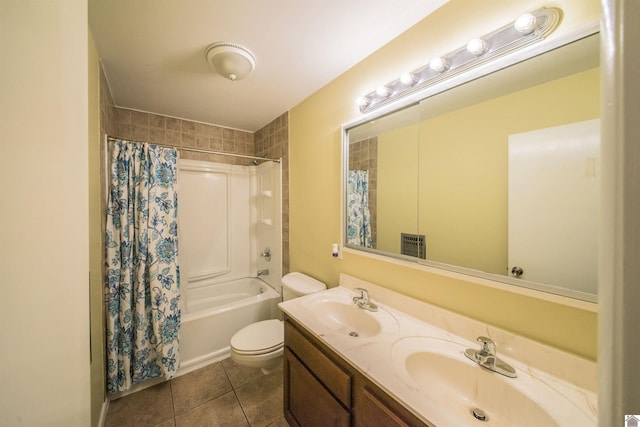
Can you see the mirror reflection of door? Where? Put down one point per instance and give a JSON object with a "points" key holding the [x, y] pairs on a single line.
{"points": [[553, 195], [439, 172]]}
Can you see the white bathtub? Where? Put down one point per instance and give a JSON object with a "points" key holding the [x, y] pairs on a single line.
{"points": [[213, 313]]}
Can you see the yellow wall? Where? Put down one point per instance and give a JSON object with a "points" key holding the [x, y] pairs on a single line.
{"points": [[95, 239], [44, 261], [315, 172], [397, 169], [465, 218]]}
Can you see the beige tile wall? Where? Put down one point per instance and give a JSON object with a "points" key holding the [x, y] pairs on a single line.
{"points": [[271, 141], [363, 155], [158, 129]]}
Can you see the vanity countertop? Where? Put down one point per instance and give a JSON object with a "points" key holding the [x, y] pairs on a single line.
{"points": [[381, 350]]}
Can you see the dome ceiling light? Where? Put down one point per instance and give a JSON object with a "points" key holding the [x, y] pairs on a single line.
{"points": [[230, 60]]}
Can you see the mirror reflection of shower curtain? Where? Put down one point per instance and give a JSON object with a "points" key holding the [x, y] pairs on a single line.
{"points": [[142, 274], [358, 215]]}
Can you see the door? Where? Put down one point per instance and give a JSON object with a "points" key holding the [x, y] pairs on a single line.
{"points": [[553, 205]]}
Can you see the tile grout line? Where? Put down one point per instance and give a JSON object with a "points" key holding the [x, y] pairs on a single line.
{"points": [[241, 407], [233, 388], [173, 404]]}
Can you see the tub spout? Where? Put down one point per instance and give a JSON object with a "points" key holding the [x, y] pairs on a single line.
{"points": [[264, 272]]}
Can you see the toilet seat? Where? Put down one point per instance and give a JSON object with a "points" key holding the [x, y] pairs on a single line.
{"points": [[259, 338]]}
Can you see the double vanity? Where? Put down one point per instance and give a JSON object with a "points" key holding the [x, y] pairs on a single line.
{"points": [[360, 354]]}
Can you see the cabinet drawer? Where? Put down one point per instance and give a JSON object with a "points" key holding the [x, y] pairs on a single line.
{"points": [[330, 374]]}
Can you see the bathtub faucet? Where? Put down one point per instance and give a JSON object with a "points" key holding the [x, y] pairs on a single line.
{"points": [[264, 272]]}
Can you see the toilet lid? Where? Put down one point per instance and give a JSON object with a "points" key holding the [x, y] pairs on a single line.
{"points": [[260, 337]]}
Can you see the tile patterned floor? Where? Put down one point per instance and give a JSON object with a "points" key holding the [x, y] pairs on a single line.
{"points": [[221, 394]]}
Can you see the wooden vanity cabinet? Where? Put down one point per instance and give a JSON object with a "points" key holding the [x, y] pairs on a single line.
{"points": [[373, 407], [322, 389]]}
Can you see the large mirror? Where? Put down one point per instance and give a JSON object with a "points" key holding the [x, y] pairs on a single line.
{"points": [[497, 177]]}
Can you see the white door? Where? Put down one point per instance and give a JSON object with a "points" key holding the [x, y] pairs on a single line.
{"points": [[553, 205]]}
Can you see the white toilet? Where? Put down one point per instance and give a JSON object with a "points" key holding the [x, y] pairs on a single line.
{"points": [[261, 344]]}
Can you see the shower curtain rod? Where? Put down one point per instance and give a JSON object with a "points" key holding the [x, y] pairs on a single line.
{"points": [[198, 150]]}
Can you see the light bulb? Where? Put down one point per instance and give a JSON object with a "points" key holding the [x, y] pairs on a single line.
{"points": [[525, 23], [363, 101], [438, 65], [383, 91], [477, 47], [408, 79]]}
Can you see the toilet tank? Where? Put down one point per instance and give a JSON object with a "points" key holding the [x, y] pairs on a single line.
{"points": [[297, 284]]}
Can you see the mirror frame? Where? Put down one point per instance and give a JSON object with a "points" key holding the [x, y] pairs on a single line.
{"points": [[414, 98]]}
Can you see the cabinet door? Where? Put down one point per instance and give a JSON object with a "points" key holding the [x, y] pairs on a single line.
{"points": [[334, 378], [371, 412], [375, 408], [307, 402]]}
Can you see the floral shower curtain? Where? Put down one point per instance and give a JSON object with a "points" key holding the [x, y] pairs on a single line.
{"points": [[142, 273], [358, 215]]}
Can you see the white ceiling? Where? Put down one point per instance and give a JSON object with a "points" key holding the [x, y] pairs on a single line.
{"points": [[153, 51]]}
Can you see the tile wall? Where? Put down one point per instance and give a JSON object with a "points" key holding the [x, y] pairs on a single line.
{"points": [[271, 141], [363, 155]]}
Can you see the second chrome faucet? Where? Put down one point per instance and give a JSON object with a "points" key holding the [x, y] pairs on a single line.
{"points": [[486, 357]]}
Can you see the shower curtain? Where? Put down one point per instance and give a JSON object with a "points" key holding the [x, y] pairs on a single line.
{"points": [[142, 274], [358, 215]]}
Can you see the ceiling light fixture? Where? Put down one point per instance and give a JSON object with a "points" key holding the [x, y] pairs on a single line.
{"points": [[527, 29], [231, 61]]}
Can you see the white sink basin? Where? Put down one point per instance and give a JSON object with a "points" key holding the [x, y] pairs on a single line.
{"points": [[445, 379], [336, 312], [345, 318]]}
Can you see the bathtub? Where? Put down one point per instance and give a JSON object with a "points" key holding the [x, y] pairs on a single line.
{"points": [[212, 314]]}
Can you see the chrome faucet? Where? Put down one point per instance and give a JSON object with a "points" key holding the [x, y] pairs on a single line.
{"points": [[363, 300], [486, 357], [264, 272]]}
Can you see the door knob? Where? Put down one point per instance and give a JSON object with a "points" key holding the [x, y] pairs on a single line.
{"points": [[517, 271]]}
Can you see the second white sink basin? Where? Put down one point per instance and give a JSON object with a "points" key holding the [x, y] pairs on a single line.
{"points": [[465, 393]]}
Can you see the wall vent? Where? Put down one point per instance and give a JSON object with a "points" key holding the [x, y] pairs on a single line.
{"points": [[413, 245]]}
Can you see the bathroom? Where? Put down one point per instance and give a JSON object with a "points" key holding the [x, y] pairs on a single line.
{"points": [[314, 151]]}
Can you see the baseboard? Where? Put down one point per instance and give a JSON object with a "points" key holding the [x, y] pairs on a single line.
{"points": [[103, 413], [201, 362]]}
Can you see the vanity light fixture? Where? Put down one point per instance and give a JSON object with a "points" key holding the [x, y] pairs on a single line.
{"points": [[383, 91], [230, 60], [408, 79], [477, 47], [527, 29], [526, 23], [363, 101], [439, 65]]}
